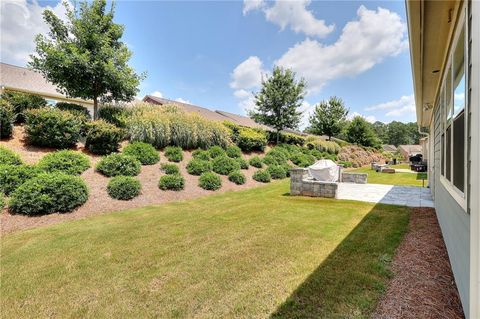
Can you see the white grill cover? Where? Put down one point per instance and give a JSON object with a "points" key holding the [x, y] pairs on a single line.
{"points": [[324, 170]]}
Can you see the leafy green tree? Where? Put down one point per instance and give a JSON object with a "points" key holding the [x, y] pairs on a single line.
{"points": [[328, 118], [361, 132], [279, 100], [398, 134], [413, 133], [380, 129], [85, 56]]}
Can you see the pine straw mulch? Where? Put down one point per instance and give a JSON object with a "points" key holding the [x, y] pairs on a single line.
{"points": [[423, 285]]}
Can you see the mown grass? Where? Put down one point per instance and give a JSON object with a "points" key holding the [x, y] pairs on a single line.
{"points": [[402, 179], [248, 254]]}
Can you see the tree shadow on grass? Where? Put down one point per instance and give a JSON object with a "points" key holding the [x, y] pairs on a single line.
{"points": [[351, 280]]}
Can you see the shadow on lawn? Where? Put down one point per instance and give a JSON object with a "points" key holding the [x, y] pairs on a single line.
{"points": [[353, 277]]}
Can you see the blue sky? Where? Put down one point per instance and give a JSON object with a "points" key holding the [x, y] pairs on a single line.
{"points": [[214, 53]]}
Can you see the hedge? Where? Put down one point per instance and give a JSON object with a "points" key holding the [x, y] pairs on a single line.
{"points": [[262, 176], [251, 140], [118, 164], [286, 138], [224, 165], [12, 176], [7, 118], [145, 153], [52, 128], [167, 125], [237, 177], [198, 167], [9, 157], [174, 153], [65, 161], [210, 181], [169, 168], [174, 182], [21, 102], [102, 137], [123, 187], [49, 193]]}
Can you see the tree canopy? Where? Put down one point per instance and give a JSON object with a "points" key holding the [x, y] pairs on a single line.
{"points": [[328, 118], [85, 56], [278, 102], [361, 132]]}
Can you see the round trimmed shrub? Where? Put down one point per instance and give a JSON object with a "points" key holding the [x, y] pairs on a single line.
{"points": [[224, 165], [237, 177], [52, 128], [277, 171], [201, 154], [262, 176], [174, 153], [49, 193], [174, 182], [102, 137], [242, 162], [275, 156], [9, 157], [20, 102], [113, 114], [119, 164], [145, 153], [302, 160], [7, 118], [234, 151], [75, 109], [65, 161], [210, 181], [123, 187], [169, 168], [198, 167], [12, 176], [256, 162], [216, 151]]}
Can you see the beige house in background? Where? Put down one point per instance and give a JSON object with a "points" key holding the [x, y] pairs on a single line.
{"points": [[409, 150], [445, 54], [20, 79]]}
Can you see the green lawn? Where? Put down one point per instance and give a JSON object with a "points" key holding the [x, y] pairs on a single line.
{"points": [[248, 254], [408, 179]]}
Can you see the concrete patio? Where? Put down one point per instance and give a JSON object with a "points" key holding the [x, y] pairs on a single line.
{"points": [[411, 196]]}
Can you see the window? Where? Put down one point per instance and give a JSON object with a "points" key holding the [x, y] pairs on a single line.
{"points": [[452, 102]]}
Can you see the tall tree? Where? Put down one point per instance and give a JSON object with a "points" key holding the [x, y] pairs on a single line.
{"points": [[279, 100], [329, 117], [380, 129], [85, 56], [398, 134], [361, 132]]}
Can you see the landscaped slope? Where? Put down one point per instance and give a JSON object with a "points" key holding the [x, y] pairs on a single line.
{"points": [[252, 253]]}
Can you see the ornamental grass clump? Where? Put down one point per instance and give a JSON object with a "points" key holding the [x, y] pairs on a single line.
{"points": [[119, 164], [145, 153], [174, 182], [256, 161], [210, 181], [65, 161], [9, 157], [167, 125], [169, 168], [123, 187], [174, 153], [237, 177], [49, 193], [198, 167], [262, 176], [12, 176], [224, 165]]}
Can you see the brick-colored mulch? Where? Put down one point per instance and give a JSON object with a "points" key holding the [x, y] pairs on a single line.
{"points": [[423, 285]]}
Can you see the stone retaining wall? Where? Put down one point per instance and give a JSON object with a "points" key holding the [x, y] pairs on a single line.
{"points": [[357, 178]]}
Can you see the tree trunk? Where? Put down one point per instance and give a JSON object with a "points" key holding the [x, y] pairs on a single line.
{"points": [[329, 138], [95, 108], [278, 136]]}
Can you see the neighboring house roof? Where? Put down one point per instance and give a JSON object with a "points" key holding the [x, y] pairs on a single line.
{"points": [[389, 148], [242, 120], [17, 78], [410, 149], [209, 114]]}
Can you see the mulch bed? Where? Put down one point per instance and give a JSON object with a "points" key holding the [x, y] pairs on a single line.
{"points": [[423, 285], [99, 202]]}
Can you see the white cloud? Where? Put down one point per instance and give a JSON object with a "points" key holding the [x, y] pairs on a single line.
{"points": [[251, 5], [20, 22], [369, 118], [179, 99], [365, 42], [403, 106], [157, 94], [296, 15]]}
